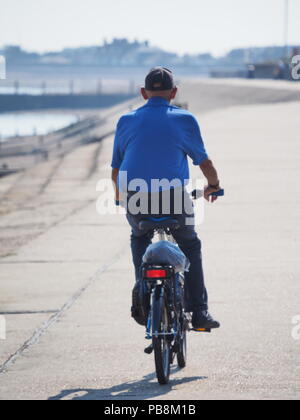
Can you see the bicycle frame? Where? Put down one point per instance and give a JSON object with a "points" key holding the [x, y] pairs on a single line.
{"points": [[150, 332], [165, 235], [166, 285]]}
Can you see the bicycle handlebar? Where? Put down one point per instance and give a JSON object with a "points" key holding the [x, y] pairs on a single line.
{"points": [[220, 193], [199, 193]]}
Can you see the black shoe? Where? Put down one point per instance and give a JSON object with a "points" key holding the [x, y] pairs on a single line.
{"points": [[136, 310], [149, 350], [140, 303], [202, 319]]}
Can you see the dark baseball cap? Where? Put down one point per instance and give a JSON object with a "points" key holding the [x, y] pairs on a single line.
{"points": [[159, 78]]}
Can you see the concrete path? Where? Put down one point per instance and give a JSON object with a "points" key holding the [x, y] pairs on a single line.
{"points": [[66, 292]]}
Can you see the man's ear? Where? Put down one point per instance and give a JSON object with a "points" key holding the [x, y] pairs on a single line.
{"points": [[174, 93], [144, 94]]}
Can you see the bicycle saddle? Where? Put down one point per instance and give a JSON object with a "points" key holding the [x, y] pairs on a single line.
{"points": [[159, 223]]}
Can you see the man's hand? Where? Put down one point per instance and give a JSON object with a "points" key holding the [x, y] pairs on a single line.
{"points": [[211, 175], [207, 194]]}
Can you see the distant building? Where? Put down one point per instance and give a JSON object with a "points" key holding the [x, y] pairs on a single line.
{"points": [[121, 52]]}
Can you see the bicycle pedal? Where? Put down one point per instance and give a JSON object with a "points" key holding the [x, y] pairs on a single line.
{"points": [[149, 349], [206, 330]]}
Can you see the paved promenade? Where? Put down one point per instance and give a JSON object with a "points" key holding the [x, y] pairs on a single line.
{"points": [[66, 274]]}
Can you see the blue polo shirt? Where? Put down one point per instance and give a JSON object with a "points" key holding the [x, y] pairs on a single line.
{"points": [[152, 144]]}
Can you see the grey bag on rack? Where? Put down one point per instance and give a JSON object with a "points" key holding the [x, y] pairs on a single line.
{"points": [[164, 252]]}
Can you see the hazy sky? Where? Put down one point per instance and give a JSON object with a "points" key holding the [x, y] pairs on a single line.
{"points": [[177, 25]]}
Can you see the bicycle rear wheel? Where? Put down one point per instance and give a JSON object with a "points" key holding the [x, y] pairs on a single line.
{"points": [[161, 339]]}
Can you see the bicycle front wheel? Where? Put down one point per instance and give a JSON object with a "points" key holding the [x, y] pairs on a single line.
{"points": [[161, 336]]}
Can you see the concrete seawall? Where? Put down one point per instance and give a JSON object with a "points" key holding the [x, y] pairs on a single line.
{"points": [[10, 103], [22, 153]]}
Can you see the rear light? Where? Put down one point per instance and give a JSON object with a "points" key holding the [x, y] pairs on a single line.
{"points": [[156, 274]]}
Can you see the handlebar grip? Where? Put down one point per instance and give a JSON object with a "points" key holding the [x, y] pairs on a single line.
{"points": [[220, 193]]}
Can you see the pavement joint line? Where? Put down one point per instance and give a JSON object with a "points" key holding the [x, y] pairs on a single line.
{"points": [[120, 225], [50, 177], [54, 318], [50, 311], [94, 166], [48, 262], [6, 194]]}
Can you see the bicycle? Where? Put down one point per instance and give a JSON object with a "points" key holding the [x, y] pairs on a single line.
{"points": [[167, 323]]}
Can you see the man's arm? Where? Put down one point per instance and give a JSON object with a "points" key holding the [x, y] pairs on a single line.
{"points": [[210, 173], [114, 177], [117, 159]]}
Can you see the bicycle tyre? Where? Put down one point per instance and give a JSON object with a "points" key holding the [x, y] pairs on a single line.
{"points": [[161, 345]]}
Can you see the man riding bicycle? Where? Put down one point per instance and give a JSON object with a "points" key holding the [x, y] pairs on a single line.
{"points": [[152, 144]]}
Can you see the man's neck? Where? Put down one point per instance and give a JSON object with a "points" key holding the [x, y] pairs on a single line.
{"points": [[159, 98]]}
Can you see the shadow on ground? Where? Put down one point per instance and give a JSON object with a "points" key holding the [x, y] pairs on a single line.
{"points": [[137, 390]]}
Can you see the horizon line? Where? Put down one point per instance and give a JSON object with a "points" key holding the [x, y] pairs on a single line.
{"points": [[62, 49]]}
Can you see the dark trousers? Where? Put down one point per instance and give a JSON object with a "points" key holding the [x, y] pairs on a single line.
{"points": [[188, 241]]}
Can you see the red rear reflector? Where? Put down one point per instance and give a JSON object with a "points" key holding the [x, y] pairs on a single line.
{"points": [[156, 274]]}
